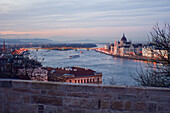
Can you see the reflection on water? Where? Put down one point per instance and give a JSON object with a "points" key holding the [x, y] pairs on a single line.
{"points": [[116, 68]]}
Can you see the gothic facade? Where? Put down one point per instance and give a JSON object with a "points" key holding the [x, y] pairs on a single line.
{"points": [[126, 48]]}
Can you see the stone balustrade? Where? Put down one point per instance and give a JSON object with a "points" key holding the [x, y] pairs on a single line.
{"points": [[21, 96]]}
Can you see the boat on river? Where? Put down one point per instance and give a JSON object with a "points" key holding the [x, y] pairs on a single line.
{"points": [[74, 56], [81, 52]]}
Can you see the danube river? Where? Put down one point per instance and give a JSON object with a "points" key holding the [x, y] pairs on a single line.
{"points": [[112, 68]]}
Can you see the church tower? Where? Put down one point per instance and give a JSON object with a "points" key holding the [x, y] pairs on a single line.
{"points": [[116, 47]]}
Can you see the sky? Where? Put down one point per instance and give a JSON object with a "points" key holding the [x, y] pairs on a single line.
{"points": [[65, 20]]}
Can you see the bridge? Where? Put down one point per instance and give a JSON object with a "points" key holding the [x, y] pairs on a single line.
{"points": [[21, 50], [62, 48]]}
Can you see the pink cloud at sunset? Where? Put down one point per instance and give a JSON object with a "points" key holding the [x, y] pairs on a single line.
{"points": [[81, 32]]}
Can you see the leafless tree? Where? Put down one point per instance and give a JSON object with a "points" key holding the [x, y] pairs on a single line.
{"points": [[156, 75], [161, 41], [29, 65]]}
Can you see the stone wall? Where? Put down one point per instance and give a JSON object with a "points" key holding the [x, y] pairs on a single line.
{"points": [[19, 96]]}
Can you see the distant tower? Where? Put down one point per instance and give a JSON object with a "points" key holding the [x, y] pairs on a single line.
{"points": [[3, 47], [116, 47]]}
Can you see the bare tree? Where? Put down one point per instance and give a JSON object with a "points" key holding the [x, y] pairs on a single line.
{"points": [[29, 65], [161, 41], [154, 74]]}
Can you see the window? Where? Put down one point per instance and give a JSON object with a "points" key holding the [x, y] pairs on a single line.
{"points": [[97, 79], [75, 81], [87, 80], [70, 81]]}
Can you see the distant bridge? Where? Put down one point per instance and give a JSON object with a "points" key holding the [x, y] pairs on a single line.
{"points": [[19, 51], [62, 48]]}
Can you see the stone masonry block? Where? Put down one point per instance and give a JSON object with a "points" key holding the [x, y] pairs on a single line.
{"points": [[13, 98], [164, 107], [77, 110], [96, 111], [53, 109], [26, 91], [116, 105], [140, 106], [27, 108], [43, 92], [114, 90], [6, 84], [82, 95], [158, 92], [20, 108], [25, 85], [142, 98], [26, 98], [128, 106], [152, 107], [127, 97], [135, 91], [90, 95], [56, 101], [78, 88], [1, 103], [81, 103], [42, 86], [104, 104], [56, 93], [158, 99]]}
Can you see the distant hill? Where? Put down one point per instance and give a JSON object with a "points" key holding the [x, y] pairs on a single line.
{"points": [[83, 41], [27, 41]]}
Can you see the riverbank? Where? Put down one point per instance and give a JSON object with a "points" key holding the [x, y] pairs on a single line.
{"points": [[142, 58]]}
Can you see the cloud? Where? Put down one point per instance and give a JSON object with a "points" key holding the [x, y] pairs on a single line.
{"points": [[41, 15], [15, 36]]}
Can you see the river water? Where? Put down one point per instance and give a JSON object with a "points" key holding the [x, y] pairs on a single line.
{"points": [[116, 69]]}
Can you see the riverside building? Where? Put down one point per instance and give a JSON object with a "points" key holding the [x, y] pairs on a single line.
{"points": [[125, 48], [75, 74]]}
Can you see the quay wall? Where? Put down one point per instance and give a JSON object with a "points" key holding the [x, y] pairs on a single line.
{"points": [[21, 96]]}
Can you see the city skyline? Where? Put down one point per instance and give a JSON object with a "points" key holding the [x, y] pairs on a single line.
{"points": [[64, 20]]}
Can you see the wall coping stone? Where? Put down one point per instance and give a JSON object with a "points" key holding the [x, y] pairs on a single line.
{"points": [[90, 85]]}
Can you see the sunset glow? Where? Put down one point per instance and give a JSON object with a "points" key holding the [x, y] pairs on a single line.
{"points": [[73, 19]]}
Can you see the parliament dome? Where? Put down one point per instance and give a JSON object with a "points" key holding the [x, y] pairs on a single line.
{"points": [[123, 39]]}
